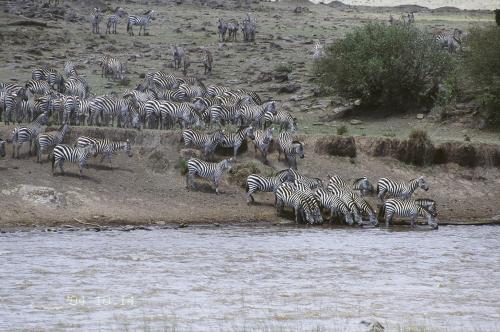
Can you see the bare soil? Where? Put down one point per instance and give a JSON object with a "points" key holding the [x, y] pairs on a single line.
{"points": [[149, 188]]}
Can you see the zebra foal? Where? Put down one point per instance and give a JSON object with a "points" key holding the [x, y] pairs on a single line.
{"points": [[47, 141]]}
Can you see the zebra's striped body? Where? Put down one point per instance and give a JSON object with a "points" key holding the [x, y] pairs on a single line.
{"points": [[105, 109], [221, 115], [76, 86], [207, 170], [12, 106], [405, 208], [262, 141], [303, 203], [208, 61], [311, 183], [222, 29], [113, 20], [216, 90], [334, 204], [451, 42], [283, 119], [51, 76], [38, 87], [254, 114], [201, 104], [235, 140], [111, 66], [70, 69], [63, 152], [181, 113], [141, 21], [361, 185], [208, 143], [290, 148], [105, 147], [256, 182], [191, 91], [46, 142], [386, 186], [27, 133]]}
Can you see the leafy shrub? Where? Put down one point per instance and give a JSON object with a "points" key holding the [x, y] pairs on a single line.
{"points": [[283, 68], [482, 61], [342, 130], [390, 66]]}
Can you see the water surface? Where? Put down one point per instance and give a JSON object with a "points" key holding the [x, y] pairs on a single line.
{"points": [[252, 278]]}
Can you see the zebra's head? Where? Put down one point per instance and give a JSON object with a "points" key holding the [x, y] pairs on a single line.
{"points": [[227, 164], [364, 185], [219, 136], [249, 132], [2, 148], [90, 150], [348, 219], [373, 219], [270, 107], [298, 148], [313, 216], [294, 127], [422, 183]]}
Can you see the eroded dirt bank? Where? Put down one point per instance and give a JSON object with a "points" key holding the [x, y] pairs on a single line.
{"points": [[149, 188]]}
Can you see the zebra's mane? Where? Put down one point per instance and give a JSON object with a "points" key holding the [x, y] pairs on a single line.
{"points": [[359, 179]]}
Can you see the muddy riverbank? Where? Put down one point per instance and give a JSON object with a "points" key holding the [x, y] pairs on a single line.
{"points": [[149, 188]]}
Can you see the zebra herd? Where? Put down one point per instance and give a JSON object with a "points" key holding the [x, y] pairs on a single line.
{"points": [[231, 27], [113, 19], [307, 197]]}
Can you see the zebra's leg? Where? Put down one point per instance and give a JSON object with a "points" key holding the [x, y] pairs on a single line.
{"points": [[39, 155], [381, 195], [81, 164], [236, 148], [414, 217], [216, 184], [61, 162], [250, 198], [388, 219]]}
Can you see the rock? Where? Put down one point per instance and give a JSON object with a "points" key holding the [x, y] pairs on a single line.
{"points": [[420, 116], [289, 88], [355, 122], [264, 77]]}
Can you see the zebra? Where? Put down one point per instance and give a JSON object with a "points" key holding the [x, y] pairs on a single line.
{"points": [[290, 148], [220, 114], [222, 29], [334, 204], [111, 65], [262, 141], [208, 143], [105, 147], [361, 185], [399, 189], [113, 20], [141, 21], [349, 198], [406, 208], [191, 91], [46, 142], [235, 140], [51, 76], [83, 112], [256, 182], [2, 148], [243, 93], [451, 42], [318, 51], [106, 108], [216, 90], [182, 113], [303, 203], [12, 105], [207, 170], [284, 119], [249, 28], [95, 19], [63, 152], [232, 28], [208, 61], [428, 204], [201, 104], [38, 87], [311, 183], [28, 133], [70, 69], [254, 114], [178, 54], [76, 86], [160, 80]]}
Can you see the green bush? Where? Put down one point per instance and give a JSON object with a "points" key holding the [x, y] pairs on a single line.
{"points": [[482, 61], [283, 68], [342, 130], [389, 66]]}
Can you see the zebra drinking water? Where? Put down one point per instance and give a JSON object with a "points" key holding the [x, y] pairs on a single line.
{"points": [[399, 189], [334, 204], [406, 208], [141, 21], [303, 203], [63, 152], [105, 147], [428, 204], [47, 141], [207, 170]]}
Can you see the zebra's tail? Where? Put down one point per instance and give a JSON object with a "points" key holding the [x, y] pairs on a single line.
{"points": [[52, 160], [246, 187], [14, 136], [128, 26]]}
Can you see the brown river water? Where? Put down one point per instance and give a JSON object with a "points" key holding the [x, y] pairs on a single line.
{"points": [[235, 278]]}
